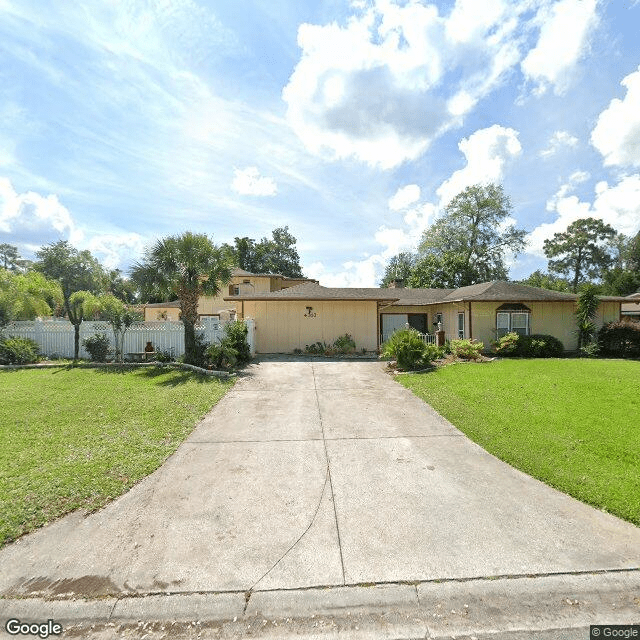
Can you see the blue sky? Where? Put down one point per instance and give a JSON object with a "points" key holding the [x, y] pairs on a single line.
{"points": [[351, 122]]}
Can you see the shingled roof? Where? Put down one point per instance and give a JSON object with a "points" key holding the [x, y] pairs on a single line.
{"points": [[313, 291], [497, 290]]}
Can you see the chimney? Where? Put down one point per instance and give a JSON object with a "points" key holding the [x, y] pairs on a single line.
{"points": [[397, 284]]}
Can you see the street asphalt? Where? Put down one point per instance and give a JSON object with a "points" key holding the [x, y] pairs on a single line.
{"points": [[318, 488]]}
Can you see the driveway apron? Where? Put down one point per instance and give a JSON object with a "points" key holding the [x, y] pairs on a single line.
{"points": [[318, 473]]}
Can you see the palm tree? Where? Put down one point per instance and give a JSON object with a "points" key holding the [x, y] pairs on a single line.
{"points": [[186, 267]]}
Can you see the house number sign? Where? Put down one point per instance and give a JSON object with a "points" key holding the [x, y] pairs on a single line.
{"points": [[310, 313]]}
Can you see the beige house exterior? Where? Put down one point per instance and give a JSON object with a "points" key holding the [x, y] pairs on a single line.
{"points": [[290, 319], [241, 282], [631, 308]]}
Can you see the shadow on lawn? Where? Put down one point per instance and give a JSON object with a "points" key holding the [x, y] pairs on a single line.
{"points": [[163, 376]]}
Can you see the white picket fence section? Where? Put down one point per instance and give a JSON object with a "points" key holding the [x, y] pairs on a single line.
{"points": [[56, 337]]}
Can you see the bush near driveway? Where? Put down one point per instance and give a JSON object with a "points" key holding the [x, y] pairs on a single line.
{"points": [[572, 423], [76, 438], [408, 348]]}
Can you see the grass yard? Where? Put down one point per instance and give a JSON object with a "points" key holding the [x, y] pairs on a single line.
{"points": [[574, 424], [76, 438]]}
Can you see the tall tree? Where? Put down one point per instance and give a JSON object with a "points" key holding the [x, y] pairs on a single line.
{"points": [[9, 256], [399, 267], [475, 234], [78, 272], [623, 277], [546, 281], [582, 251], [446, 271], [26, 296], [277, 254], [187, 267]]}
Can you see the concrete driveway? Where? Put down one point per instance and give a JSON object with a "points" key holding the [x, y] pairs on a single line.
{"points": [[318, 473]]}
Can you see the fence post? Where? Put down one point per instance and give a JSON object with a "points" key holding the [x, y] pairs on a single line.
{"points": [[440, 338]]}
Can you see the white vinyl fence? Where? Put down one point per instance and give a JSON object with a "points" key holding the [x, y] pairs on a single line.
{"points": [[55, 337]]}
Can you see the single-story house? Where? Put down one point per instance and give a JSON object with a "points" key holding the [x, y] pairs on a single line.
{"points": [[241, 282], [292, 318], [631, 309]]}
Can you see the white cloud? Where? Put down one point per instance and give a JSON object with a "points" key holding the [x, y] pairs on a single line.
{"points": [[617, 205], [487, 151], [395, 77], [116, 250], [249, 182], [617, 133], [558, 140], [31, 220], [564, 37], [404, 197]]}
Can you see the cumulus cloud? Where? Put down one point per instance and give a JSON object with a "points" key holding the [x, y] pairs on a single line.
{"points": [[559, 140], [618, 205], [404, 196], [564, 38], [30, 219], [395, 77], [116, 250], [487, 151], [249, 182], [617, 133]]}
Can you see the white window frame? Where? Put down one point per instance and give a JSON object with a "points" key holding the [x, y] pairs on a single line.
{"points": [[460, 331], [508, 326]]}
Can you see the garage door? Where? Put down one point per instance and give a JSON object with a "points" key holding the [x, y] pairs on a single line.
{"points": [[390, 322]]}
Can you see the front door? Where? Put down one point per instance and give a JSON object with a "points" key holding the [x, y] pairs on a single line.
{"points": [[418, 321]]}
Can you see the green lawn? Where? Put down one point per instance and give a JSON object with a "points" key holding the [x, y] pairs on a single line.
{"points": [[574, 424], [77, 437]]}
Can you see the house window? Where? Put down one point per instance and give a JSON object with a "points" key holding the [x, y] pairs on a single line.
{"points": [[236, 290], [514, 318], [461, 325]]}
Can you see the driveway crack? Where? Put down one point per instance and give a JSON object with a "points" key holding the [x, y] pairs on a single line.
{"points": [[326, 453], [302, 535]]}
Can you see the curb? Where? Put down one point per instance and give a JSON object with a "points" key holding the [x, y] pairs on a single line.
{"points": [[423, 609]]}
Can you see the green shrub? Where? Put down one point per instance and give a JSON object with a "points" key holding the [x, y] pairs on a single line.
{"points": [[466, 349], [408, 348], [235, 337], [317, 348], [200, 358], [620, 339], [222, 356], [344, 344], [165, 355], [590, 350], [533, 346], [18, 351], [98, 347]]}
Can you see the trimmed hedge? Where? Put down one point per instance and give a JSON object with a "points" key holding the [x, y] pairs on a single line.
{"points": [[537, 345], [620, 339]]}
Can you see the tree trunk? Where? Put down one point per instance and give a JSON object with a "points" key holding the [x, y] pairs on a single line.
{"points": [[76, 341], [190, 355]]}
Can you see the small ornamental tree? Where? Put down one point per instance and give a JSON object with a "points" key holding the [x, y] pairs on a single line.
{"points": [[120, 317], [586, 312]]}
